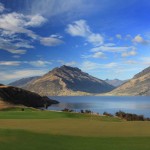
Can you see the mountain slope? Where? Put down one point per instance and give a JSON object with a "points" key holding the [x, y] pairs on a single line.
{"points": [[23, 82], [115, 82], [68, 81], [138, 85], [13, 95]]}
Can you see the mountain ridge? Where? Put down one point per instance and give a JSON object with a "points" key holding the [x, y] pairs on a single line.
{"points": [[67, 80], [138, 85]]}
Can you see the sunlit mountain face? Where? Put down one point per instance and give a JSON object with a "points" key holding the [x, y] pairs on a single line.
{"points": [[105, 38]]}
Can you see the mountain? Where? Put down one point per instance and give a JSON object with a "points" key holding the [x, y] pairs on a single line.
{"points": [[10, 95], [138, 85], [115, 82], [68, 81], [23, 82]]}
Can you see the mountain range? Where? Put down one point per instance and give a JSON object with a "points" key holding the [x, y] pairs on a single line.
{"points": [[66, 80], [138, 85], [115, 82]]}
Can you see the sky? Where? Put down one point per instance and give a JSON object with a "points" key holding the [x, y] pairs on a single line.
{"points": [[105, 38]]}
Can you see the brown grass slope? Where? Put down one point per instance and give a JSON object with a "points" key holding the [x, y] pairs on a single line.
{"points": [[138, 85], [68, 81]]}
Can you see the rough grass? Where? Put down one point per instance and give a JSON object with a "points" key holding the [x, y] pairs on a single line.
{"points": [[22, 140]]}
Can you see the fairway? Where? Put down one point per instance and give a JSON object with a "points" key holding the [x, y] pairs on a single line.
{"points": [[61, 130]]}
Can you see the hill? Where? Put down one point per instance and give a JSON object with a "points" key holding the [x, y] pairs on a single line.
{"points": [[115, 82], [68, 81], [23, 82], [138, 85], [10, 95]]}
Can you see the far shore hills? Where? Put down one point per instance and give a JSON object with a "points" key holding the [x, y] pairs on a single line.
{"points": [[71, 81], [68, 81]]}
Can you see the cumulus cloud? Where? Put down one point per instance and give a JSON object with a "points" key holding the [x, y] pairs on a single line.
{"points": [[95, 55], [13, 24], [98, 55], [130, 53], [50, 41], [119, 36], [82, 29], [88, 65], [10, 63], [139, 39]]}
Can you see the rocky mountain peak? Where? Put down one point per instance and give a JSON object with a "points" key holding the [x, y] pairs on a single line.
{"points": [[67, 80]]}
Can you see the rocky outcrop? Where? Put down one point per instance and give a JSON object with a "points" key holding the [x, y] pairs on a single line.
{"points": [[138, 85], [18, 96], [68, 81]]}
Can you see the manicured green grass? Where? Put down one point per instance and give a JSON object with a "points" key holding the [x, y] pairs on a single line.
{"points": [[30, 113], [33, 129], [22, 140]]}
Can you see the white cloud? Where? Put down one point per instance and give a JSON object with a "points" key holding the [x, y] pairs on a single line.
{"points": [[88, 65], [35, 20], [140, 39], [39, 63], [119, 36], [145, 60], [1, 7], [112, 48], [98, 55], [131, 62], [18, 74], [50, 41], [130, 53], [95, 55], [80, 28], [12, 23], [13, 47], [10, 63]]}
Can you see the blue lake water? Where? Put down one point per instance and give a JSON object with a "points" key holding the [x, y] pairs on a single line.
{"points": [[98, 104]]}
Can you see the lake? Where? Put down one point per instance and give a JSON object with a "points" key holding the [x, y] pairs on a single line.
{"points": [[99, 104]]}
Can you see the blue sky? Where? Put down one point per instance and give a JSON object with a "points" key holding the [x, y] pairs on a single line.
{"points": [[105, 38]]}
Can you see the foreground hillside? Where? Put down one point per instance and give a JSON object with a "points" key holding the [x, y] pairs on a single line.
{"points": [[138, 85], [68, 81], [16, 96]]}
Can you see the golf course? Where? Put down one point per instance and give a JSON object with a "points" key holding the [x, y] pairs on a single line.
{"points": [[32, 129]]}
